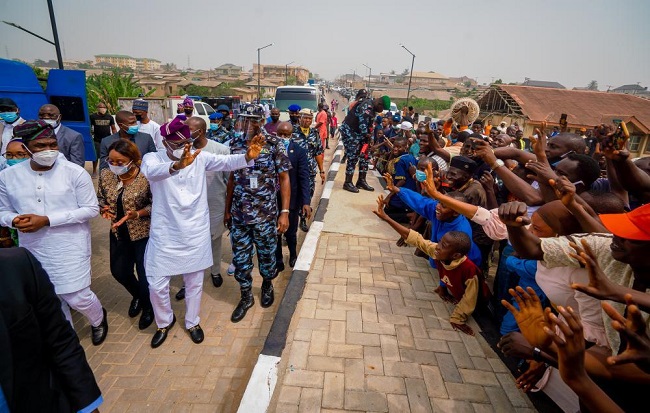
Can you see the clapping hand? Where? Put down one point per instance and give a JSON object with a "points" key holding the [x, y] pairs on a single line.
{"points": [[635, 332]]}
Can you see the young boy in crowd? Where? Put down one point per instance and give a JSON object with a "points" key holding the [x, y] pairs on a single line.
{"points": [[461, 282], [399, 167]]}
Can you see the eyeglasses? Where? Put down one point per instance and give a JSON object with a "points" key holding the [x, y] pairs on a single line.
{"points": [[179, 144], [19, 155]]}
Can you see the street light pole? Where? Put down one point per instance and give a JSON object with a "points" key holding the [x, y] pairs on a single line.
{"points": [[259, 70], [408, 93], [369, 74], [286, 73]]}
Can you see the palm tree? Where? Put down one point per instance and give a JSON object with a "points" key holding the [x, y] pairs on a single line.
{"points": [[108, 87]]}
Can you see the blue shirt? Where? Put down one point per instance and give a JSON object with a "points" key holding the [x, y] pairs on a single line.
{"points": [[427, 208], [400, 171]]}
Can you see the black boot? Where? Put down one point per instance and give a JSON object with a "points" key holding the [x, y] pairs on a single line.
{"points": [[362, 184], [267, 296], [245, 303], [345, 157], [348, 185]]}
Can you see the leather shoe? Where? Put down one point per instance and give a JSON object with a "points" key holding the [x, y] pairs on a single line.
{"points": [[196, 333], [146, 318], [267, 294], [98, 334], [217, 280], [161, 334], [303, 224], [180, 295], [245, 303], [292, 260], [135, 307], [279, 266]]}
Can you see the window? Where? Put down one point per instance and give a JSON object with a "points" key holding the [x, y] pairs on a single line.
{"points": [[199, 109], [635, 141], [71, 108], [208, 110], [647, 145]]}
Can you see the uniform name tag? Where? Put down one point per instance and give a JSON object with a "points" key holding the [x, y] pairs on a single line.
{"points": [[253, 182]]}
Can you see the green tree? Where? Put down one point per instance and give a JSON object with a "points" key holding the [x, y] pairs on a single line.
{"points": [[405, 72], [498, 82], [593, 85], [41, 75], [108, 87], [292, 80]]}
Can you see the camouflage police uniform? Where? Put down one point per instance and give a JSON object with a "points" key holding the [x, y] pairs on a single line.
{"points": [[353, 130], [254, 209], [312, 144], [220, 135]]}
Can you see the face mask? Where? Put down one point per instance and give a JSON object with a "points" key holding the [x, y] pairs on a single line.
{"points": [[102, 111], [45, 158], [52, 122], [286, 143], [12, 162], [132, 130], [189, 112], [238, 134], [275, 118], [9, 117], [420, 176], [214, 127], [119, 170]]}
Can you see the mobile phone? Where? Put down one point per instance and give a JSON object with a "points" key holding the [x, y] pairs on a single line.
{"points": [[563, 121], [620, 136]]}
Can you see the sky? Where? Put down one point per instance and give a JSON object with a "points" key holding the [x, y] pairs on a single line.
{"points": [[568, 41]]}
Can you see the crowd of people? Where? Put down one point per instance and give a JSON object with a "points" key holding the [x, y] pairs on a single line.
{"points": [[169, 192], [547, 236]]}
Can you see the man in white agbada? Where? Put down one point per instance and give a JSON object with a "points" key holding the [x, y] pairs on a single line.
{"points": [[180, 224], [50, 201]]}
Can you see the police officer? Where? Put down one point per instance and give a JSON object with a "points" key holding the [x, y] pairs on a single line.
{"points": [[252, 211], [355, 131], [308, 138], [294, 115], [227, 122], [216, 131]]}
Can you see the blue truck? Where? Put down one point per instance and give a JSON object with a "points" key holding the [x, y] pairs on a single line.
{"points": [[65, 88]]}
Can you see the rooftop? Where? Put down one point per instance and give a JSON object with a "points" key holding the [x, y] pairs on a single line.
{"points": [[429, 75], [543, 83]]}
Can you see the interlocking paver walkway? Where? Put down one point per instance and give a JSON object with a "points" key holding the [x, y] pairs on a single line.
{"points": [[369, 333]]}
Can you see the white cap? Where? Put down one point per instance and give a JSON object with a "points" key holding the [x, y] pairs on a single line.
{"points": [[406, 125]]}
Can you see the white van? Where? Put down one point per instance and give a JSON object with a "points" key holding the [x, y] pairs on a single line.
{"points": [[303, 96]]}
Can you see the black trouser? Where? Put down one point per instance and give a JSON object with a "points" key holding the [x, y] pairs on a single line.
{"points": [[399, 214], [126, 254], [291, 235]]}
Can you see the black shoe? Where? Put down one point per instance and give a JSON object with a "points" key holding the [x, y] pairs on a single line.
{"points": [[180, 295], [245, 303], [349, 186], [217, 280], [161, 334], [267, 294], [98, 333], [292, 260], [196, 333], [146, 318], [279, 266], [303, 224], [135, 307], [362, 184]]}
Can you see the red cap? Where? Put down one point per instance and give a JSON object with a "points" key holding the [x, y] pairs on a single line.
{"points": [[633, 225]]}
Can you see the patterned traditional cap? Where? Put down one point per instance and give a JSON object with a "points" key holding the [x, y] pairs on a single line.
{"points": [[33, 129], [294, 108], [463, 163], [179, 106], [176, 130], [140, 104], [187, 102]]}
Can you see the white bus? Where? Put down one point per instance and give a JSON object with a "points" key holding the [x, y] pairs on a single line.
{"points": [[303, 96]]}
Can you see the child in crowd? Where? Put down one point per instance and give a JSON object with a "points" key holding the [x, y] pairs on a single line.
{"points": [[461, 282], [399, 167]]}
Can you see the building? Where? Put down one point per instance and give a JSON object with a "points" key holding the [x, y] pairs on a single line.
{"points": [[228, 70], [427, 79], [267, 89], [634, 89], [280, 71], [530, 106], [542, 83], [124, 61]]}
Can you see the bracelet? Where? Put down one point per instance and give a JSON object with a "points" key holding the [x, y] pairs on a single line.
{"points": [[284, 210], [537, 354], [137, 213]]}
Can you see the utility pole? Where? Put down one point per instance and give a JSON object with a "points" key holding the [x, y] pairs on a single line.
{"points": [[286, 73], [55, 33], [259, 70], [369, 74], [408, 93]]}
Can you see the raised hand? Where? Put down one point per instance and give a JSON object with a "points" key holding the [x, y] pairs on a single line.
{"points": [[514, 214], [635, 332], [564, 190], [255, 147], [542, 170], [429, 184], [599, 285], [515, 345], [389, 183], [187, 158], [380, 212], [128, 216], [530, 316], [571, 348]]}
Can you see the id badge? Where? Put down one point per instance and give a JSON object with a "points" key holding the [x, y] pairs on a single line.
{"points": [[253, 182]]}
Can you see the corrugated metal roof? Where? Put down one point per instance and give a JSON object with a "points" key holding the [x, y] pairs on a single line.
{"points": [[586, 108]]}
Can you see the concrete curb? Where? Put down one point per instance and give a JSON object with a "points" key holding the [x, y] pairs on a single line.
{"points": [[261, 384]]}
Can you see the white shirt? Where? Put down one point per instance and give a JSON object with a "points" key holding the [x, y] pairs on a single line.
{"points": [[153, 129], [179, 240], [8, 133], [217, 183], [65, 194]]}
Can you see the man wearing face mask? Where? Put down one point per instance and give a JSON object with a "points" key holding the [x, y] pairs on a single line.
{"points": [[51, 201], [141, 111], [294, 116], [216, 131], [188, 107], [9, 119], [226, 122], [71, 143], [129, 129], [272, 126], [180, 228], [102, 125]]}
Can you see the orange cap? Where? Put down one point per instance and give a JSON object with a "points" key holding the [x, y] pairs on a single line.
{"points": [[633, 225]]}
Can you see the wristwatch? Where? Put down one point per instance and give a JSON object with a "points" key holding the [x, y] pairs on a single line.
{"points": [[497, 164], [537, 354]]}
